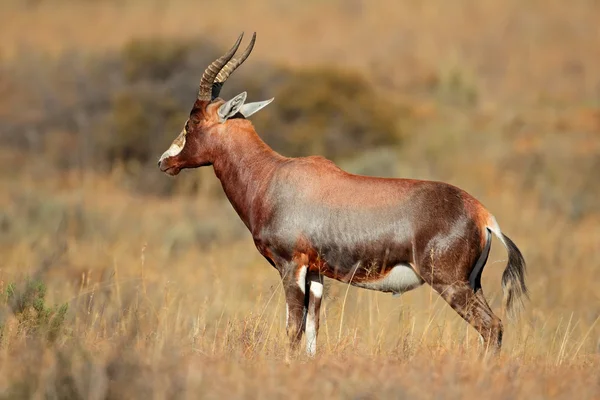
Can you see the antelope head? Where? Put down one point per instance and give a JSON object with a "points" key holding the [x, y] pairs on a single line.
{"points": [[207, 125]]}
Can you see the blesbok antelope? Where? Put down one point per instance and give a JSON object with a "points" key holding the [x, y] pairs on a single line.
{"points": [[311, 219]]}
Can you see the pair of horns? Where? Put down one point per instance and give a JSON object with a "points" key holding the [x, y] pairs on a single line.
{"points": [[217, 73]]}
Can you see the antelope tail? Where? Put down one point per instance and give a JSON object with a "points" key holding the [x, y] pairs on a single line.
{"points": [[513, 278]]}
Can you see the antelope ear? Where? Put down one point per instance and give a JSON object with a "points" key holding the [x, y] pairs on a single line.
{"points": [[250, 108], [231, 107]]}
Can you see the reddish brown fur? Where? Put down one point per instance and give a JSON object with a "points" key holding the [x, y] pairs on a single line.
{"points": [[306, 212]]}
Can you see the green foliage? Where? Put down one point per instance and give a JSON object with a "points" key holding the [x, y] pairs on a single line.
{"points": [[325, 111], [330, 112], [120, 111], [153, 59], [457, 87], [34, 316], [140, 119]]}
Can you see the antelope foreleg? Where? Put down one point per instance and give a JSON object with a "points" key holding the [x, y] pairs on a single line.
{"points": [[314, 287]]}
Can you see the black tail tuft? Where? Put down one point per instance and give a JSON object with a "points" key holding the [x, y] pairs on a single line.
{"points": [[513, 278]]}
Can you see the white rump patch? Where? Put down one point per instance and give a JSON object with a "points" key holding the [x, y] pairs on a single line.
{"points": [[301, 281], [495, 228], [400, 279]]}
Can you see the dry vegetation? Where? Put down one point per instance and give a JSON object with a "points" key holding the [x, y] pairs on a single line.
{"points": [[119, 282]]}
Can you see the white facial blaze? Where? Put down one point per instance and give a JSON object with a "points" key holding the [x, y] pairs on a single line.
{"points": [[172, 151], [177, 145], [316, 289]]}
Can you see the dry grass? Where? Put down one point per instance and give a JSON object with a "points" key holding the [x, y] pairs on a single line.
{"points": [[168, 297], [153, 311], [545, 46]]}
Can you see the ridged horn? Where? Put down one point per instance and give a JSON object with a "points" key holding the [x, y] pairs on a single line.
{"points": [[231, 66], [205, 91]]}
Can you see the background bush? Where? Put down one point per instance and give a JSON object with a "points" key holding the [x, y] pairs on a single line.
{"points": [[123, 109]]}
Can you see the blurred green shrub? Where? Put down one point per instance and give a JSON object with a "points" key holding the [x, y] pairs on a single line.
{"points": [[330, 112], [153, 59], [121, 110], [382, 162], [139, 119], [34, 316], [456, 86]]}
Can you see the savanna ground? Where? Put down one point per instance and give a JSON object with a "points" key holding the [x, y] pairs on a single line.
{"points": [[119, 282]]}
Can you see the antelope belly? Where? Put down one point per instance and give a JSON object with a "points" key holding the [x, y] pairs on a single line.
{"points": [[398, 280]]}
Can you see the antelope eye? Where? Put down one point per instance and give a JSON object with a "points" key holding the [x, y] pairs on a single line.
{"points": [[187, 126]]}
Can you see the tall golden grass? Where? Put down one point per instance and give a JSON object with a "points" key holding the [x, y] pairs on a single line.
{"points": [[510, 45], [168, 297]]}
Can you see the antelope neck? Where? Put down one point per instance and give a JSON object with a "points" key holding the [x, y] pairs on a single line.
{"points": [[245, 166]]}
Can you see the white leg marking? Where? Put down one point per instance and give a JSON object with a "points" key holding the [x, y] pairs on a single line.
{"points": [[316, 288], [301, 282], [311, 335]]}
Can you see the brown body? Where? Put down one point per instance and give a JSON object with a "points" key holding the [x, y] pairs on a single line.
{"points": [[310, 219]]}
